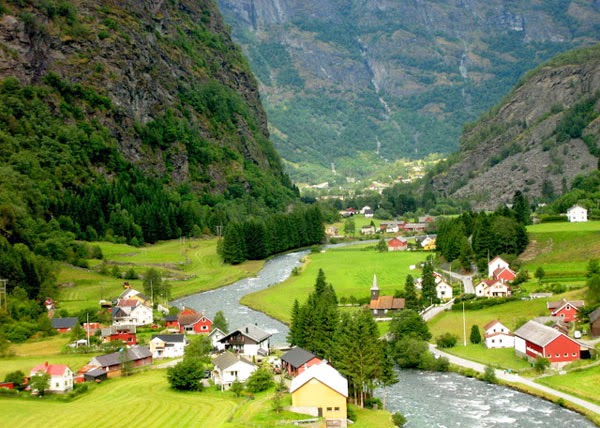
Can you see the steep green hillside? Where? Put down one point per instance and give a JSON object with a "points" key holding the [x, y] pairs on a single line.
{"points": [[129, 121], [541, 136], [354, 83]]}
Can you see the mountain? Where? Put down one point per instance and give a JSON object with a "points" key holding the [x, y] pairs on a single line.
{"points": [[542, 135], [129, 119], [351, 84]]}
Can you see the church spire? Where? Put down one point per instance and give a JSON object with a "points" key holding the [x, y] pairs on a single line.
{"points": [[374, 289]]}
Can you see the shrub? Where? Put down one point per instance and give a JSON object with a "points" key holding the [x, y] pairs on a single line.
{"points": [[186, 375], [373, 403], [260, 380], [447, 340], [489, 375], [399, 419]]}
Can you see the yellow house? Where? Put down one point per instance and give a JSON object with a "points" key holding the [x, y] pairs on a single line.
{"points": [[321, 391]]}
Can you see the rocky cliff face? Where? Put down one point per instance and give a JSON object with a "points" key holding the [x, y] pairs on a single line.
{"points": [[538, 139], [149, 58], [394, 78]]}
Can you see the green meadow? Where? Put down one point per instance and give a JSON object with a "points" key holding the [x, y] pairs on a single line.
{"points": [[146, 400], [349, 269], [189, 265], [581, 383]]}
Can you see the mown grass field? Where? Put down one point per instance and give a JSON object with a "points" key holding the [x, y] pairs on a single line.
{"points": [[146, 400], [582, 383], [349, 269], [191, 265]]}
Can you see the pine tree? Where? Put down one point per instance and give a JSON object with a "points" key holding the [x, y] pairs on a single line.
{"points": [[410, 294], [475, 336], [428, 284], [521, 208], [220, 322]]}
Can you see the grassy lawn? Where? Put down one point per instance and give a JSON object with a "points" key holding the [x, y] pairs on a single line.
{"points": [[583, 383], [147, 399], [504, 358], [191, 265], [349, 269]]}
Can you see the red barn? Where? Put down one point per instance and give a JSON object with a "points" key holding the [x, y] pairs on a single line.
{"points": [[124, 333], [397, 244], [567, 310], [535, 340]]}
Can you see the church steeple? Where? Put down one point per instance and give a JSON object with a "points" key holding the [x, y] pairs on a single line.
{"points": [[374, 289]]}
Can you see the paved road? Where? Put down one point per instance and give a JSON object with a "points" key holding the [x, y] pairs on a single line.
{"points": [[515, 378], [432, 311], [467, 281]]}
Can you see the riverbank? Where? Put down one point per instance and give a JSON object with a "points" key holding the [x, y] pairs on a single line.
{"points": [[589, 410]]}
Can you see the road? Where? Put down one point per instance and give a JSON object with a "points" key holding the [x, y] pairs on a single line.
{"points": [[467, 281], [515, 378]]}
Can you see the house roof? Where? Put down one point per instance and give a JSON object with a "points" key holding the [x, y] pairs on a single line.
{"points": [[297, 356], [171, 318], [576, 207], [500, 270], [397, 242], [497, 258], [228, 359], [189, 317], [595, 315], [124, 303], [538, 334], [133, 354], [51, 369], [216, 331], [387, 302], [325, 374], [114, 329], [251, 331], [170, 338], [491, 324], [67, 322], [555, 306]]}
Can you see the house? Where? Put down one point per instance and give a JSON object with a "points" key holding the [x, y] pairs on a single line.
{"points": [[426, 219], [321, 391], [248, 340], [505, 274], [414, 227], [229, 367], [443, 290], [63, 325], [61, 376], [130, 293], [391, 226], [192, 322], [368, 230], [167, 345], [495, 264], [172, 323], [533, 340], [492, 288], [428, 243], [497, 335], [215, 336], [132, 312], [124, 333], [112, 364], [577, 214], [567, 310], [556, 323], [384, 306], [91, 327], [397, 244], [368, 213], [296, 360], [95, 375], [595, 323]]}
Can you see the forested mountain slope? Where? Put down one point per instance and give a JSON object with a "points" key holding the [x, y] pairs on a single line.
{"points": [[134, 121], [538, 139], [357, 82]]}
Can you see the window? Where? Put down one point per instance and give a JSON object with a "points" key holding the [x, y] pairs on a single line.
{"points": [[557, 355], [566, 354], [204, 327], [574, 354], [337, 409], [329, 409]]}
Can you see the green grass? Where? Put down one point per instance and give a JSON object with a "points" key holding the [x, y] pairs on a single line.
{"points": [[147, 400], [504, 358], [349, 269], [191, 265], [581, 383]]}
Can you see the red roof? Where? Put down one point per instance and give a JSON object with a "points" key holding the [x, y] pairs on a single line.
{"points": [[128, 302], [387, 302], [51, 369], [490, 325]]}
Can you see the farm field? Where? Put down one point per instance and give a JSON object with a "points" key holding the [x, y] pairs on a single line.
{"points": [[581, 383], [147, 399], [191, 265], [349, 269]]}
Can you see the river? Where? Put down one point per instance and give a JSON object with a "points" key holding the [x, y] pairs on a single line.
{"points": [[426, 399]]}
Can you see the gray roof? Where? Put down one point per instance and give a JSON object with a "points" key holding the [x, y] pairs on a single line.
{"points": [[297, 356], [228, 359], [67, 322], [537, 333], [133, 354], [114, 329], [251, 331], [170, 338], [594, 315]]}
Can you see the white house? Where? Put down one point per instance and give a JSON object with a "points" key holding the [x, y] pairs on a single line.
{"points": [[215, 336], [443, 290], [495, 264], [577, 214], [497, 335], [61, 376], [248, 340], [229, 367], [168, 345], [492, 288], [132, 312]]}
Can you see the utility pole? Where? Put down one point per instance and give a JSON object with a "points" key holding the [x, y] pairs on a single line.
{"points": [[464, 326], [3, 297]]}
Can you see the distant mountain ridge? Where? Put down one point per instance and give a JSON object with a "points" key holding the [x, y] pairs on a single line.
{"points": [[543, 134], [354, 83]]}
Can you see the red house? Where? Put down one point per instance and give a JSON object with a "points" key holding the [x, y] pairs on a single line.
{"points": [[296, 360], [397, 244], [567, 310], [124, 333], [504, 274], [535, 340], [192, 322]]}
